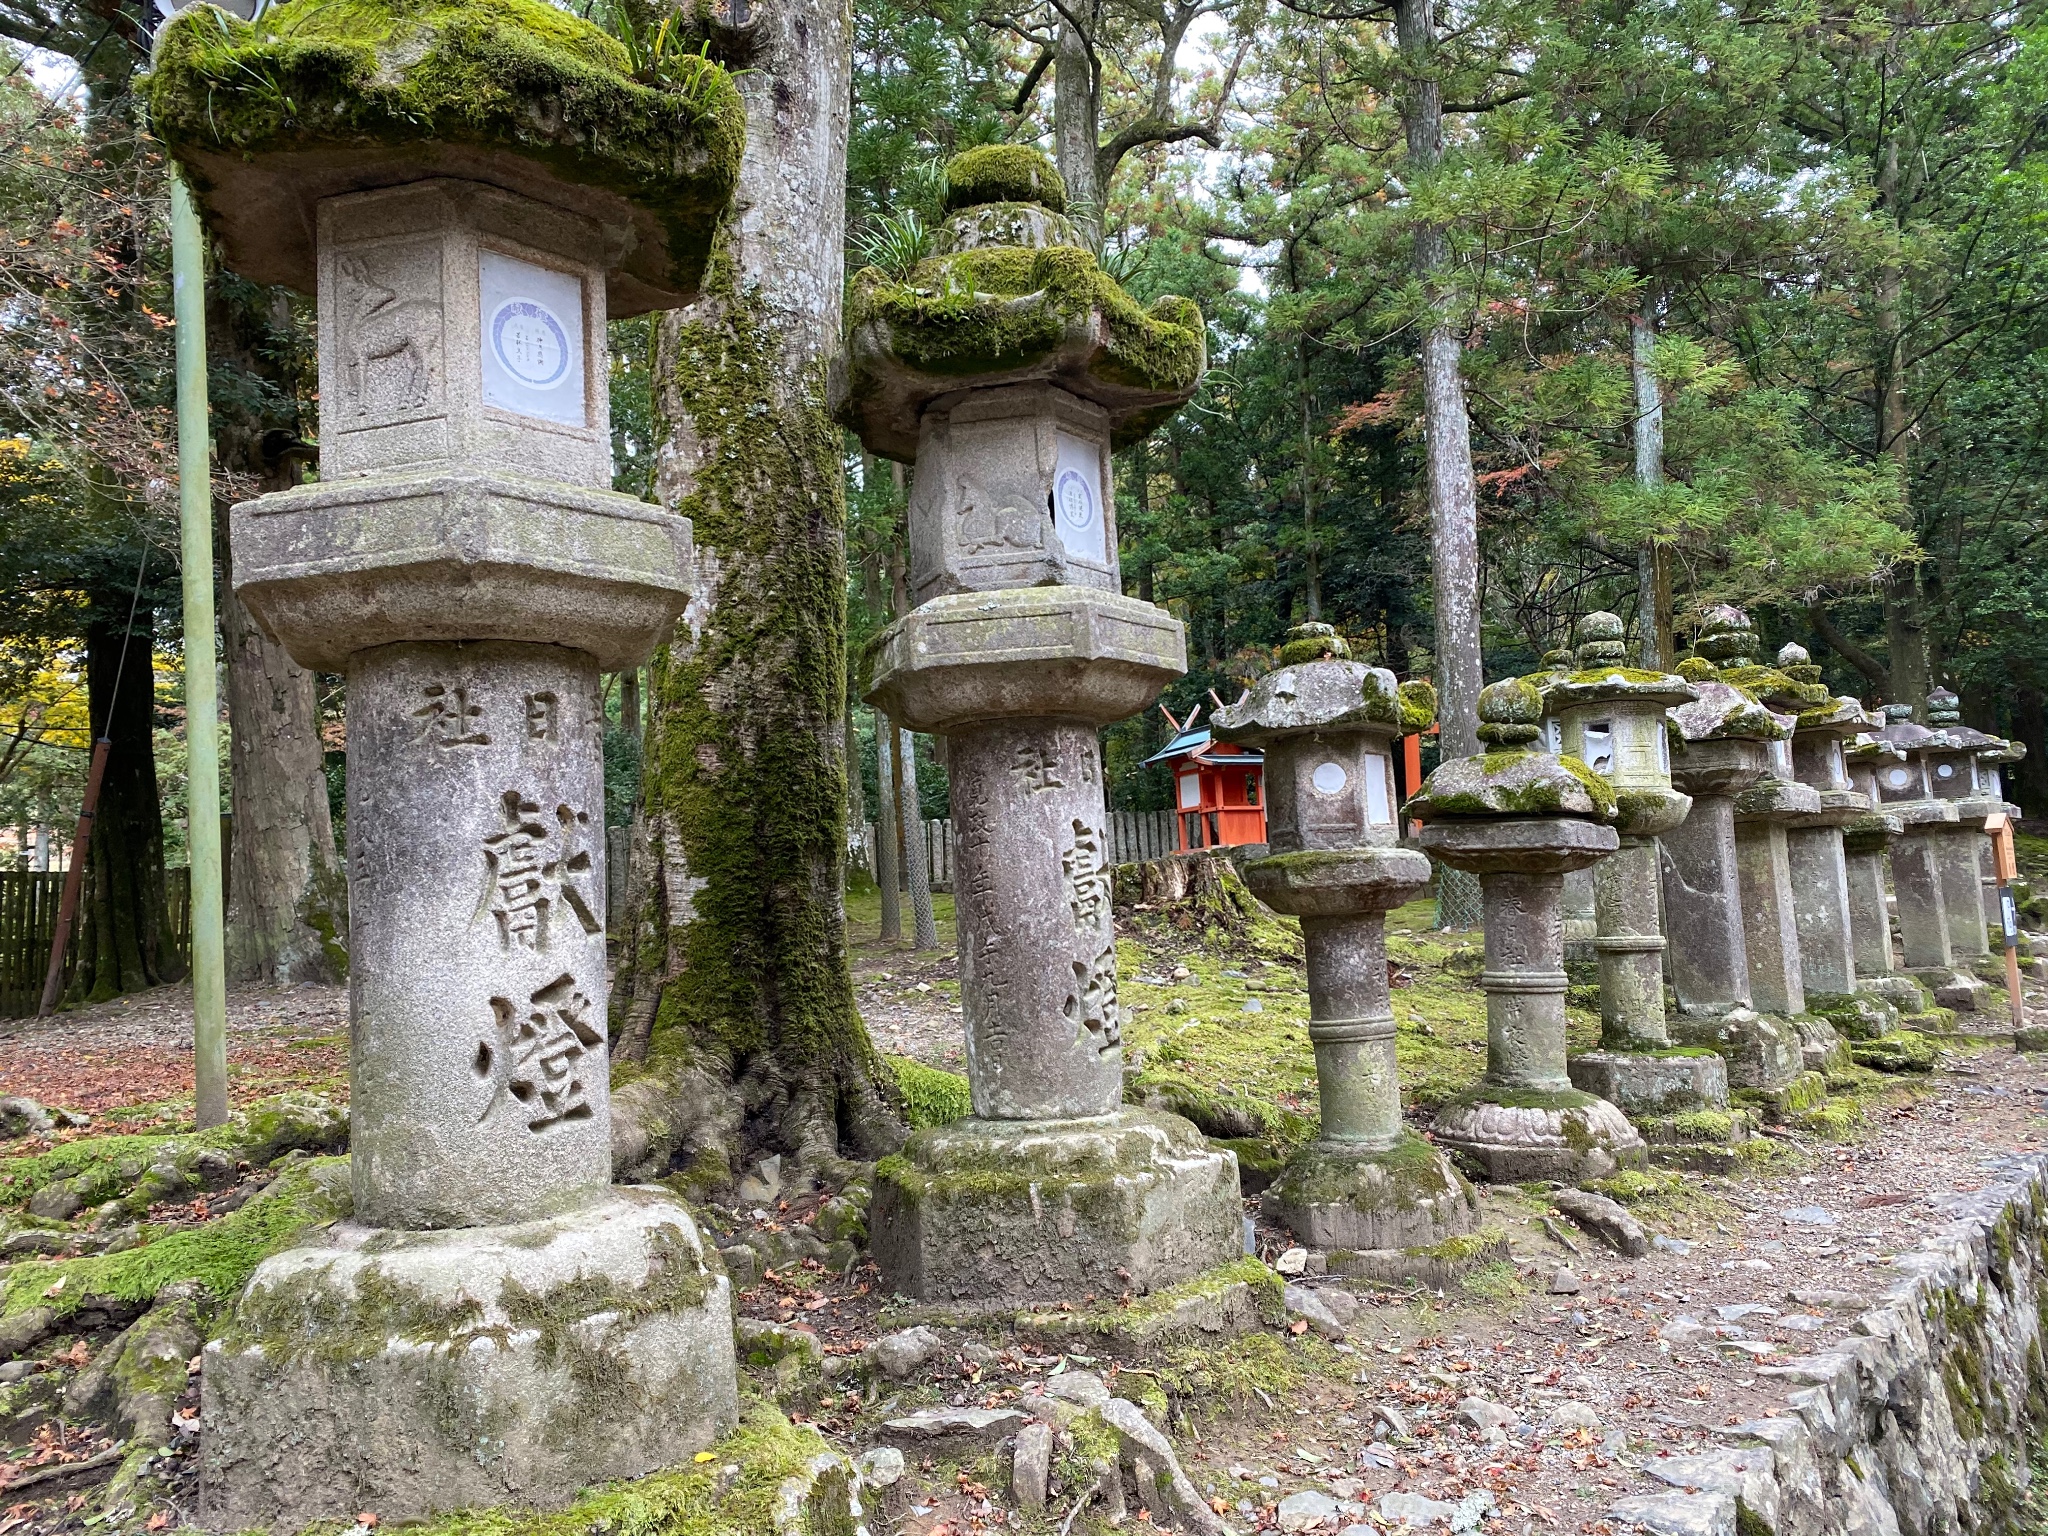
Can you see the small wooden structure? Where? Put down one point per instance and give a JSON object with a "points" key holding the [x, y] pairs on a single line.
{"points": [[1219, 795]]}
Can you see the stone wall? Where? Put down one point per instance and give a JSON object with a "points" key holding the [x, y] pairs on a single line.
{"points": [[1920, 1425]]}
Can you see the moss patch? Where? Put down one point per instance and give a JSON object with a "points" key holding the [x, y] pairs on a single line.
{"points": [[220, 1255], [931, 1096], [1004, 173], [519, 76]]}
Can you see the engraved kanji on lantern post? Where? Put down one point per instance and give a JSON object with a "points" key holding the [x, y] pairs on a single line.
{"points": [[1327, 726], [1006, 367], [465, 563]]}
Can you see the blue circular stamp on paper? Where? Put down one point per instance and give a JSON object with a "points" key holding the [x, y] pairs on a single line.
{"points": [[530, 343], [1075, 498]]}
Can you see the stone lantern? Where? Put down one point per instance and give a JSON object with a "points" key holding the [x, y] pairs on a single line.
{"points": [[496, 1323], [1008, 366], [1866, 845], [1327, 728], [1519, 819], [1613, 718], [1818, 858], [1926, 823], [1962, 770], [1723, 749]]}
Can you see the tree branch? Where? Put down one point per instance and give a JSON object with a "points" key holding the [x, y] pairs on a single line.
{"points": [[1854, 654], [1148, 130], [1031, 81]]}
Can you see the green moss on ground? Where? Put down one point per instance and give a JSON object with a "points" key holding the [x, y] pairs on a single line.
{"points": [[735, 1489], [520, 76], [1662, 1197], [1903, 1050], [220, 1255], [1209, 1378]]}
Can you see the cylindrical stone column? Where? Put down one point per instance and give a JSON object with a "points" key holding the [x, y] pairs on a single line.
{"points": [[1703, 901], [1523, 1119], [1351, 1027], [1631, 948], [1327, 726], [1931, 842], [1032, 898], [479, 1078]]}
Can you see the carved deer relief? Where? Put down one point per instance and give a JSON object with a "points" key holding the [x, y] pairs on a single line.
{"points": [[388, 340], [985, 526]]}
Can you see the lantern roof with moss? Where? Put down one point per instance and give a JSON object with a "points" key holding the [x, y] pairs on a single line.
{"points": [[1511, 779], [1007, 293], [317, 98], [1599, 673], [1330, 692], [1839, 715]]}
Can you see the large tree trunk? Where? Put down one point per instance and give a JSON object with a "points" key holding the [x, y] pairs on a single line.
{"points": [[1905, 623], [1653, 568], [755, 1041], [287, 918], [125, 943], [1077, 127], [1453, 492]]}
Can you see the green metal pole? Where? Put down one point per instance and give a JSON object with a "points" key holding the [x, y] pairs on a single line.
{"points": [[202, 705]]}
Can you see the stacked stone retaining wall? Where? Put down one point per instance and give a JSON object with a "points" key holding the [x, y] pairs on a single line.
{"points": [[1923, 1423]]}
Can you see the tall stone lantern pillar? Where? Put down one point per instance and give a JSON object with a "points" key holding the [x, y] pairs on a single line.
{"points": [[1006, 367], [1327, 728], [1929, 825], [1962, 770], [1724, 740], [1519, 819], [1613, 718], [496, 1323], [1866, 852], [1819, 859]]}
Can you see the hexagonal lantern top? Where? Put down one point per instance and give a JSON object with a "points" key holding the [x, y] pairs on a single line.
{"points": [[1007, 365], [1612, 718]]}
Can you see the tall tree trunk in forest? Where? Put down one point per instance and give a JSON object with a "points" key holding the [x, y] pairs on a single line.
{"points": [[1654, 642], [125, 943], [2030, 726], [287, 919], [1077, 127], [1905, 623], [1453, 493], [755, 1042]]}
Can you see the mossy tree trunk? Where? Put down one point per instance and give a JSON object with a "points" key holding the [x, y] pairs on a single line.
{"points": [[735, 966], [287, 919]]}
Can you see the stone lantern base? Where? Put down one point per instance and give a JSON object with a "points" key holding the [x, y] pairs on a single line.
{"points": [[1762, 1051], [1407, 1196], [413, 1373], [1049, 1210], [1515, 1135]]}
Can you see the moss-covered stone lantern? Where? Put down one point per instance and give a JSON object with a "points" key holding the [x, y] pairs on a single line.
{"points": [[1008, 365], [1327, 728], [1962, 769], [1931, 841], [1519, 818], [1722, 748], [1818, 859], [470, 188], [1866, 850], [1613, 718]]}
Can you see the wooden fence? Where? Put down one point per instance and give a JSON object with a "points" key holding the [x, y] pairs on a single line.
{"points": [[28, 921], [1134, 836]]}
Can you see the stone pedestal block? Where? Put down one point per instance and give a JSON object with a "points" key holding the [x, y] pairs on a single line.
{"points": [[1820, 908], [1664, 1082], [417, 1373], [1763, 868], [1018, 1212], [1630, 947]]}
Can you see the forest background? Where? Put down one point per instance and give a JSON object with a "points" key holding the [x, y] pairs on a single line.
{"points": [[1737, 300]]}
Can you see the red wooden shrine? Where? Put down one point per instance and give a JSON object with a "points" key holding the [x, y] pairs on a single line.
{"points": [[1219, 795]]}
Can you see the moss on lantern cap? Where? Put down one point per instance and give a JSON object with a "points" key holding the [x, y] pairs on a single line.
{"points": [[1724, 712], [1313, 642], [336, 93], [1313, 695], [1511, 779], [992, 315], [1004, 173]]}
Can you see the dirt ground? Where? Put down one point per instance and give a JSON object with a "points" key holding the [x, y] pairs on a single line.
{"points": [[1662, 1351]]}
